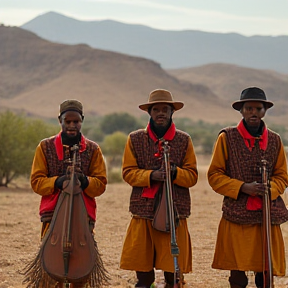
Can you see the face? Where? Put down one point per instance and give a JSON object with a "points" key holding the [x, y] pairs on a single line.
{"points": [[161, 114], [71, 122], [253, 112]]}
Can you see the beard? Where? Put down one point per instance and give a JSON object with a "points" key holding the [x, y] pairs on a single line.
{"points": [[70, 140], [159, 130]]}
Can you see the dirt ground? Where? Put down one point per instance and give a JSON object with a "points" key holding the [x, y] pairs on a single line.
{"points": [[20, 234]]}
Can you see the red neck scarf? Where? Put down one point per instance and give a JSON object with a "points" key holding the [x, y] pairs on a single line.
{"points": [[59, 145], [150, 192], [169, 135], [250, 140], [253, 202]]}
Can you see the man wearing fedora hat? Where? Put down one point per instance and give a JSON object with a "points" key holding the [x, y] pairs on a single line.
{"points": [[145, 247], [50, 170], [235, 173]]}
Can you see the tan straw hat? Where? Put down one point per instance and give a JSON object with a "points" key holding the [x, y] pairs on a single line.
{"points": [[161, 96]]}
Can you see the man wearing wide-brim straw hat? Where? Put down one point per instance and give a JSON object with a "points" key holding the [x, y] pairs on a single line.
{"points": [[145, 246], [235, 173]]}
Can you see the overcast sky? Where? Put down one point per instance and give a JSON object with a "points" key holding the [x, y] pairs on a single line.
{"points": [[246, 17]]}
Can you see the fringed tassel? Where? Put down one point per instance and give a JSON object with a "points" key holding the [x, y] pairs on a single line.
{"points": [[35, 276], [99, 275]]}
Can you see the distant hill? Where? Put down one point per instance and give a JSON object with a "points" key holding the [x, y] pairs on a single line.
{"points": [[227, 82], [36, 75], [172, 49]]}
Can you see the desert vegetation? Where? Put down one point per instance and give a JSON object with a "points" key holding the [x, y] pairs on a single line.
{"points": [[21, 134]]}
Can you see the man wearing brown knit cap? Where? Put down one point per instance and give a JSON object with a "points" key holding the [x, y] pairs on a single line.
{"points": [[148, 245], [50, 173]]}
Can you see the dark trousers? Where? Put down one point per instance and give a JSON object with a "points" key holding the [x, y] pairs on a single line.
{"points": [[145, 279], [238, 279], [169, 278]]}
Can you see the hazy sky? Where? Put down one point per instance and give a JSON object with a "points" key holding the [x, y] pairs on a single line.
{"points": [[247, 17]]}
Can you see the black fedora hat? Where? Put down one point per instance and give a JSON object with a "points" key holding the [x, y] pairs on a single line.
{"points": [[252, 94]]}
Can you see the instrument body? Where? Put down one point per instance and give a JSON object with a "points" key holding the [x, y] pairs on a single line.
{"points": [[68, 253], [266, 228]]}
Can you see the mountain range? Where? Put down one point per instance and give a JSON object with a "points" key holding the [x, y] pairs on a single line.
{"points": [[171, 49], [37, 75]]}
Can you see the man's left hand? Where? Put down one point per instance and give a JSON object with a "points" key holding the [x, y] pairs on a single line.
{"points": [[83, 180]]}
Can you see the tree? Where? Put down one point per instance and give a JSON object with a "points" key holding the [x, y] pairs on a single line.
{"points": [[114, 144], [113, 148], [123, 122], [18, 140]]}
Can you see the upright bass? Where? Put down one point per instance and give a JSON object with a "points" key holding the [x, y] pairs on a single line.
{"points": [[68, 252]]}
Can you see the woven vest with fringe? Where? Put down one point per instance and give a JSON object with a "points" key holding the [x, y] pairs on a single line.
{"points": [[145, 148], [245, 165], [57, 167]]}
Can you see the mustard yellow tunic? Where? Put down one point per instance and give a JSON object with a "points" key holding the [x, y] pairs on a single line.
{"points": [[145, 248], [239, 247], [44, 185]]}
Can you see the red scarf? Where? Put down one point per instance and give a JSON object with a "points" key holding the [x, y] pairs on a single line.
{"points": [[150, 192], [59, 145], [253, 202], [250, 140]]}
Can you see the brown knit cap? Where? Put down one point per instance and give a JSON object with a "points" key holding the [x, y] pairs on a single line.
{"points": [[71, 105]]}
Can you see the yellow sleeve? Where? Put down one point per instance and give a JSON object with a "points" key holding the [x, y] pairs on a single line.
{"points": [[44, 185], [187, 175], [40, 182], [217, 178], [130, 170], [279, 177], [96, 175]]}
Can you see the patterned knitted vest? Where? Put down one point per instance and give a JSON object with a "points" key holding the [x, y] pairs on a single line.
{"points": [[245, 165], [145, 148], [58, 167]]}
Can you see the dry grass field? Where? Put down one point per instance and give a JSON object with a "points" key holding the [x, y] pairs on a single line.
{"points": [[20, 230]]}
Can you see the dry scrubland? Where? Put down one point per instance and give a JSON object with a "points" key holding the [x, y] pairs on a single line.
{"points": [[20, 226]]}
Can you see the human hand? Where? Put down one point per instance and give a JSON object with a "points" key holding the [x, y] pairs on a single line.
{"points": [[173, 171], [158, 175], [59, 181], [253, 188], [83, 180]]}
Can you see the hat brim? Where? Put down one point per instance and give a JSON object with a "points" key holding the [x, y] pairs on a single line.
{"points": [[175, 104], [237, 105]]}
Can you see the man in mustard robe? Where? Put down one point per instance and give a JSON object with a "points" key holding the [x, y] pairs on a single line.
{"points": [[235, 173], [145, 247], [52, 157]]}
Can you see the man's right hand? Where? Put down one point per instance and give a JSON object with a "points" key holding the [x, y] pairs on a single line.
{"points": [[59, 181], [158, 175], [253, 189]]}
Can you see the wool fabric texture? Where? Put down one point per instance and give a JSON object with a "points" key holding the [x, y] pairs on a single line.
{"points": [[71, 105]]}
